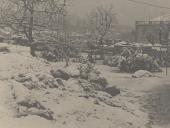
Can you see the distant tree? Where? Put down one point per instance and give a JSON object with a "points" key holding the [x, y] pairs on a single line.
{"points": [[101, 22], [151, 38]]}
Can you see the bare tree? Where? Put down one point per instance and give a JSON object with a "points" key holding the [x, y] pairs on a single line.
{"points": [[59, 26], [102, 21], [29, 16]]}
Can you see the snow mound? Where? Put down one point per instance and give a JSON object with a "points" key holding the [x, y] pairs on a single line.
{"points": [[142, 73], [38, 81]]}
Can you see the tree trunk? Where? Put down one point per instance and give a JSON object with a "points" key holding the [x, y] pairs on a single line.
{"points": [[102, 53], [32, 51], [30, 31], [67, 61], [102, 49]]}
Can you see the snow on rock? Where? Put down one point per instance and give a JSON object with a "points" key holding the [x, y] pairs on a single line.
{"points": [[24, 111], [100, 82], [31, 102], [26, 104], [38, 81], [142, 73], [93, 88], [19, 92], [27, 108], [4, 49], [73, 71], [97, 84], [27, 80], [113, 91], [21, 77], [59, 73], [48, 81], [107, 99]]}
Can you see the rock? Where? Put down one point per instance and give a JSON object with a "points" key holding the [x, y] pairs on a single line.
{"points": [[100, 82], [22, 78], [96, 102], [4, 49], [51, 83], [60, 82], [29, 81], [19, 92], [31, 84], [31, 106], [107, 99], [103, 95], [59, 73], [30, 102], [42, 77], [113, 91], [84, 96], [73, 71], [2, 39], [142, 73], [21, 111], [46, 114], [109, 102], [49, 56], [26, 104], [93, 85]]}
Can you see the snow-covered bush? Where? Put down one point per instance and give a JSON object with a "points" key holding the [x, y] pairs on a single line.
{"points": [[139, 62]]}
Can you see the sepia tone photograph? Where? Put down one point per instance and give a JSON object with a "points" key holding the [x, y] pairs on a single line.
{"points": [[84, 63]]}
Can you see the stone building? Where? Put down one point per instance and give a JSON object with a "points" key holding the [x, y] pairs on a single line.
{"points": [[155, 31]]}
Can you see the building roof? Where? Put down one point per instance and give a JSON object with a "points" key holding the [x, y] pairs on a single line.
{"points": [[165, 17]]}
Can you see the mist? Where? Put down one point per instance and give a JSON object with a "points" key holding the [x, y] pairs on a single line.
{"points": [[127, 12]]}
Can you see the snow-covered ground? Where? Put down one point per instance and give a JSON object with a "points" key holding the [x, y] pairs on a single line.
{"points": [[142, 103]]}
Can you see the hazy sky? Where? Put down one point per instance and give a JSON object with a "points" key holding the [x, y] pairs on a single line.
{"points": [[128, 12]]}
